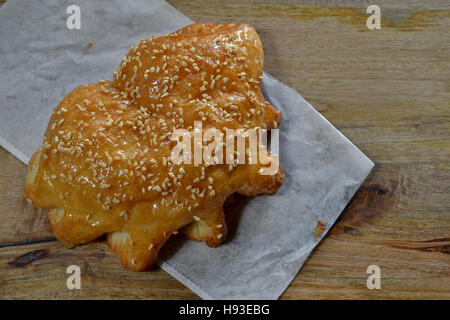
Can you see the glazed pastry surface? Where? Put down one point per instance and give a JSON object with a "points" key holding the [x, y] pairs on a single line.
{"points": [[106, 167]]}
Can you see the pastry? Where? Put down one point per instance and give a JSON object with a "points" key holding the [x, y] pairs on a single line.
{"points": [[106, 163]]}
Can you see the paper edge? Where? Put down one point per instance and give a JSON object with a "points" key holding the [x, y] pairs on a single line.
{"points": [[166, 266], [22, 156], [371, 164], [322, 237]]}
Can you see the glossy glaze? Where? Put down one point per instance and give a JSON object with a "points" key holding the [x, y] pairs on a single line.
{"points": [[105, 167]]}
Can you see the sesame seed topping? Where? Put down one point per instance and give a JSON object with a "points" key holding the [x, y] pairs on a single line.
{"points": [[164, 83]]}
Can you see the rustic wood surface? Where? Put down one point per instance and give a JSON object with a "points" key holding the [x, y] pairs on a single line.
{"points": [[387, 90]]}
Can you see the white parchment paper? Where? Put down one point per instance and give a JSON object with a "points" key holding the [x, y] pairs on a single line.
{"points": [[41, 61]]}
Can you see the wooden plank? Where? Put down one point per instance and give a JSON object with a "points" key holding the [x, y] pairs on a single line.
{"points": [[387, 90], [101, 275], [20, 221]]}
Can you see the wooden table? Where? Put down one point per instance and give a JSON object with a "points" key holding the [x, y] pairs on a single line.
{"points": [[387, 90]]}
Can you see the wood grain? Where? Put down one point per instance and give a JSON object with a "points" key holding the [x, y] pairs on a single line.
{"points": [[387, 90]]}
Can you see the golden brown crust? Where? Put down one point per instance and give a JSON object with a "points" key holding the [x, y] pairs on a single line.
{"points": [[210, 228], [105, 165]]}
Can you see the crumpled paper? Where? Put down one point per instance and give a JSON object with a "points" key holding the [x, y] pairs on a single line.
{"points": [[41, 61]]}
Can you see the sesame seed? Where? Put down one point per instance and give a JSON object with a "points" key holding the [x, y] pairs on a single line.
{"points": [[124, 215]]}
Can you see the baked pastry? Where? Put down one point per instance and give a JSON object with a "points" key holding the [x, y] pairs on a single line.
{"points": [[106, 167]]}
